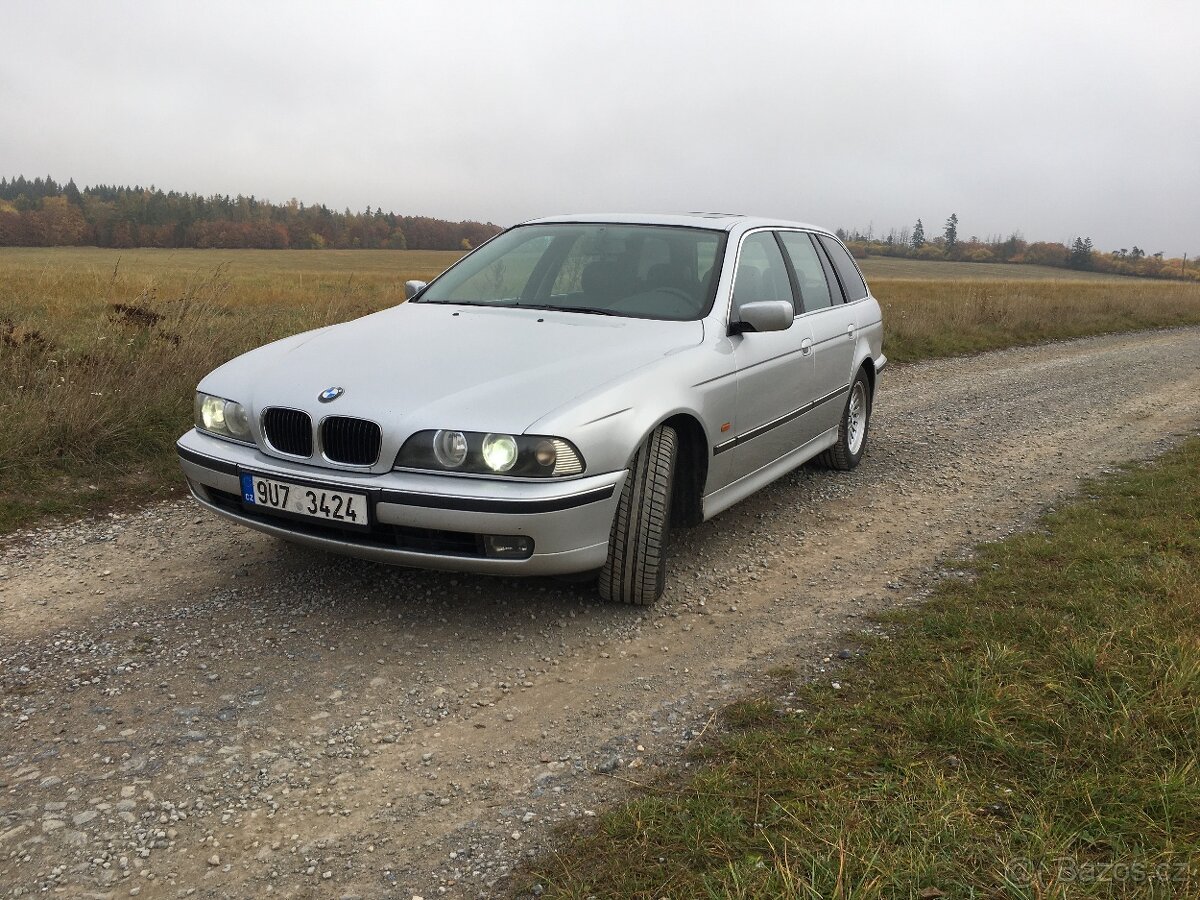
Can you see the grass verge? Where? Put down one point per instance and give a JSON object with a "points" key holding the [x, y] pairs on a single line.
{"points": [[935, 319], [100, 350], [1031, 732]]}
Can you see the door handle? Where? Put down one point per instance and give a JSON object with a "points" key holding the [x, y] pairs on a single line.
{"points": [[806, 346], [850, 329]]}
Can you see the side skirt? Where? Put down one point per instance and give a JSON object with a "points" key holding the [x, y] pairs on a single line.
{"points": [[723, 498]]}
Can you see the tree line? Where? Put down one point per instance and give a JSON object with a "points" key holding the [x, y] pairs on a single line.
{"points": [[1080, 254], [43, 213]]}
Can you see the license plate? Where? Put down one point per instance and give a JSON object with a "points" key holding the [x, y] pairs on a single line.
{"points": [[305, 500]]}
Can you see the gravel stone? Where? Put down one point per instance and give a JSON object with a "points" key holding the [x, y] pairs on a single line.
{"points": [[215, 712]]}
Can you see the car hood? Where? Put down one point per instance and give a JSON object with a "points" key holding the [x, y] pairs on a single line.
{"points": [[420, 366]]}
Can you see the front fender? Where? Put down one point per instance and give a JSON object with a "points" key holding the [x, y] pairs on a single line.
{"points": [[609, 424]]}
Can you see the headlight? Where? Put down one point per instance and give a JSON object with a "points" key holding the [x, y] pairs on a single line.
{"points": [[525, 455], [450, 448], [500, 452], [222, 417]]}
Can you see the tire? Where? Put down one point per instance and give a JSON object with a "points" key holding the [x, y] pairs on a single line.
{"points": [[635, 572], [852, 430]]}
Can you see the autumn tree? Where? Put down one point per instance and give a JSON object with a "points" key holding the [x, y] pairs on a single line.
{"points": [[1046, 253], [1011, 247], [41, 212]]}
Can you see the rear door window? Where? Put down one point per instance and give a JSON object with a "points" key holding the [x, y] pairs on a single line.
{"points": [[852, 279], [810, 274]]}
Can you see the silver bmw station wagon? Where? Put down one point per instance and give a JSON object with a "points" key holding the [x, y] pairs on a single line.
{"points": [[553, 403]]}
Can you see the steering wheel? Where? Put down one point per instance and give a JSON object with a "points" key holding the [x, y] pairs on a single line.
{"points": [[678, 292], [686, 303], [681, 302]]}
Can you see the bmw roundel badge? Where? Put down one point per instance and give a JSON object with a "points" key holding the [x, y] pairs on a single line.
{"points": [[330, 394]]}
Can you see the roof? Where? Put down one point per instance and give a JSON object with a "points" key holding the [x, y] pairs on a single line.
{"points": [[722, 221]]}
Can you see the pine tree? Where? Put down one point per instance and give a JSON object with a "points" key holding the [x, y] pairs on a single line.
{"points": [[1081, 254], [951, 233], [918, 235], [72, 194]]}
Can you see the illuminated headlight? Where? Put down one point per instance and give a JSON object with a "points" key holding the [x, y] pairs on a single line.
{"points": [[222, 417], [522, 455], [499, 452]]}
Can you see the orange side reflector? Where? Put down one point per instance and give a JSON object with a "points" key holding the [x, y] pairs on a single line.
{"points": [[725, 427]]}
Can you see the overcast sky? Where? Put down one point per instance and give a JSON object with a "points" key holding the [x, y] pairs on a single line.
{"points": [[1054, 119]]}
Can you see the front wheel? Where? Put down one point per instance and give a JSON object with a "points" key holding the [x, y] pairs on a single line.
{"points": [[852, 430], [636, 569]]}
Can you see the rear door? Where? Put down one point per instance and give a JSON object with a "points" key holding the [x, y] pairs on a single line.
{"points": [[832, 323], [774, 369]]}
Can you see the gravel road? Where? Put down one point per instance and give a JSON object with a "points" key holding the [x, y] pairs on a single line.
{"points": [[191, 709]]}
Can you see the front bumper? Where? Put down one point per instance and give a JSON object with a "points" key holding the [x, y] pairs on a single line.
{"points": [[423, 520]]}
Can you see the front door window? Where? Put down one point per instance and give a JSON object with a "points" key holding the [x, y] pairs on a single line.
{"points": [[761, 272]]}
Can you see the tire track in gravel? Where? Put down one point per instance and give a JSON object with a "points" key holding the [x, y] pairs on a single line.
{"points": [[189, 709]]}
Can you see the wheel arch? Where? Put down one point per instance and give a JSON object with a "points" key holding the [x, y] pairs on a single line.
{"points": [[691, 469], [868, 365], [692, 455]]}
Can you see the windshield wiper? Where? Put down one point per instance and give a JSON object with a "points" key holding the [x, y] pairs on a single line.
{"points": [[489, 303], [593, 310]]}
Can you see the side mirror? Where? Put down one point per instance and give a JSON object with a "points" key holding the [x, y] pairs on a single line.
{"points": [[764, 315], [412, 288]]}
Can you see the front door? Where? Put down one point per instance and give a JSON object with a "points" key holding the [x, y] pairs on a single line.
{"points": [[774, 369]]}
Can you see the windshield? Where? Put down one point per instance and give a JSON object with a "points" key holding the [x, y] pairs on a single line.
{"points": [[641, 271]]}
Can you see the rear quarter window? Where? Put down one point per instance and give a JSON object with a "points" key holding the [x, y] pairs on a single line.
{"points": [[851, 278]]}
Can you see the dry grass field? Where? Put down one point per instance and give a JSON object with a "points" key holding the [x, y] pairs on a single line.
{"points": [[100, 350], [930, 319]]}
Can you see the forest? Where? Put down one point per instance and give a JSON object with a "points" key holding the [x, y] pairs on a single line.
{"points": [[44, 213]]}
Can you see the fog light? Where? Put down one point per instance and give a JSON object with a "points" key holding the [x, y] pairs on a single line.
{"points": [[503, 546]]}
